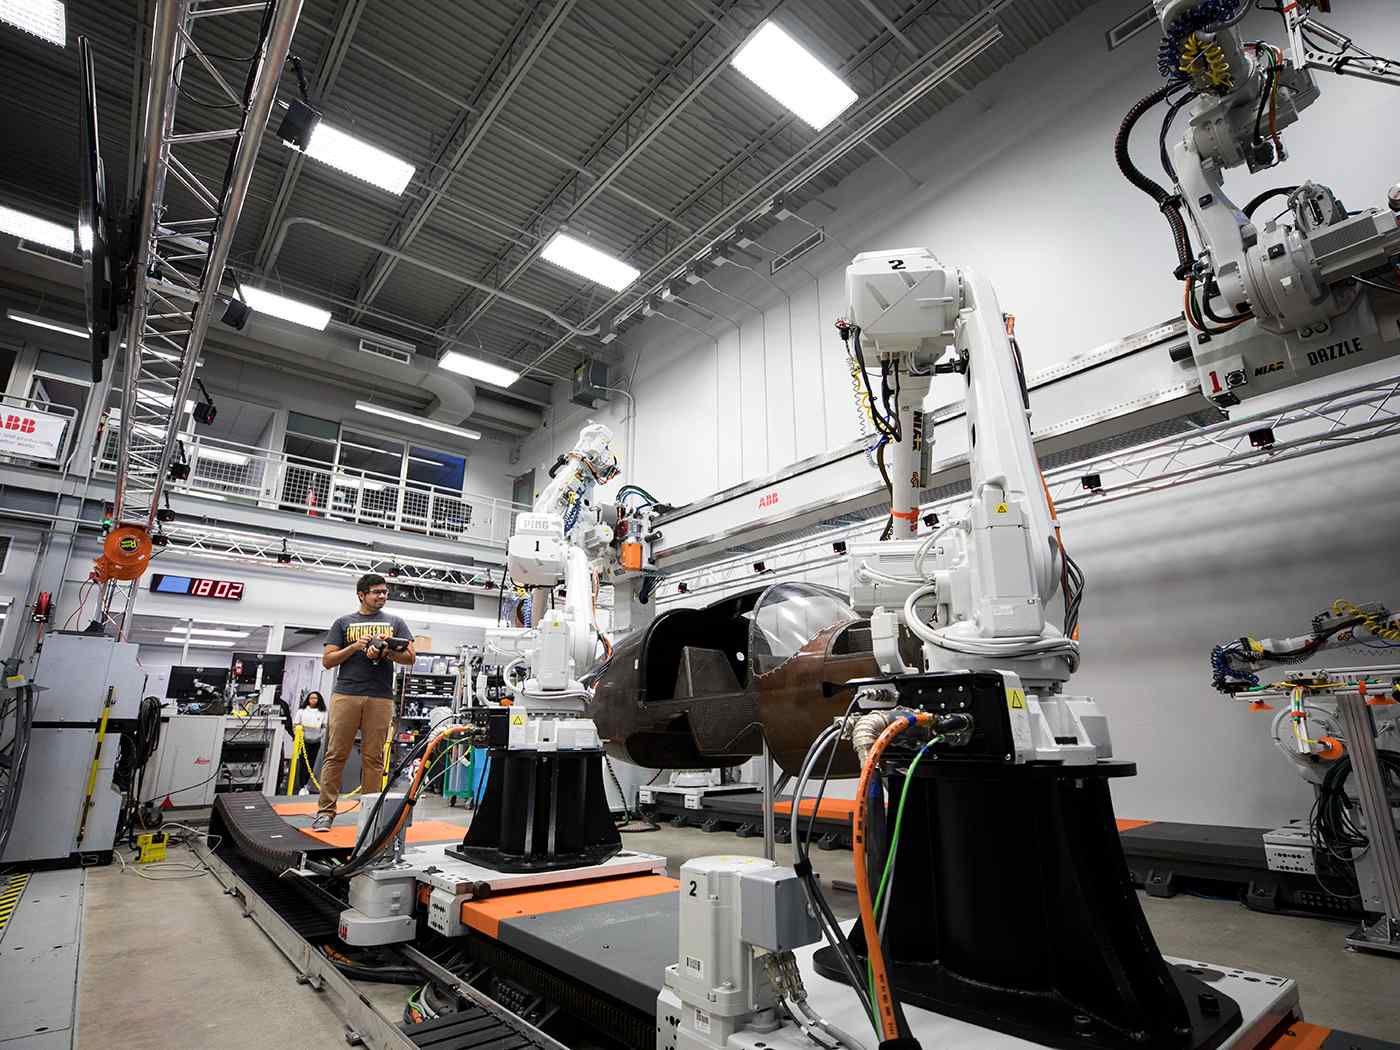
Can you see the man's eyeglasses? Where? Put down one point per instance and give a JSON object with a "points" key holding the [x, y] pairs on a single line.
{"points": [[380, 592]]}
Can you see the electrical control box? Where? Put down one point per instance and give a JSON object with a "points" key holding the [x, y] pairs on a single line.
{"points": [[590, 384], [445, 913], [1290, 849], [773, 910]]}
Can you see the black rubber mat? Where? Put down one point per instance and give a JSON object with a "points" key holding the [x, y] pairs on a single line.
{"points": [[469, 1029], [314, 916], [246, 819]]}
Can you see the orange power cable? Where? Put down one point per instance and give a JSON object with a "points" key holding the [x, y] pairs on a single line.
{"points": [[883, 999]]}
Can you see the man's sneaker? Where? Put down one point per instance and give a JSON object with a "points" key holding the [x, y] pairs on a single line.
{"points": [[322, 822]]}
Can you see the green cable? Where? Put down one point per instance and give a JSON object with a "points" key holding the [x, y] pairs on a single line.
{"points": [[894, 845]]}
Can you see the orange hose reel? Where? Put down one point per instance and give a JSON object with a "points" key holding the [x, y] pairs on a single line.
{"points": [[125, 554]]}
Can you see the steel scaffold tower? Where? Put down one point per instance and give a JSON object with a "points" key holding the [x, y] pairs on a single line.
{"points": [[178, 264]]}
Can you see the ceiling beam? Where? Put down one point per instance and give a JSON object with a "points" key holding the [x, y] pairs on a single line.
{"points": [[332, 59], [455, 154], [462, 318]]}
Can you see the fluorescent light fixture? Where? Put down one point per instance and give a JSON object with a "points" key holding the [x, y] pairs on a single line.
{"points": [[452, 618], [793, 76], [42, 322], [574, 255], [211, 632], [33, 229], [404, 417], [358, 158], [221, 455], [274, 305], [207, 495], [465, 365], [45, 19], [198, 643]]}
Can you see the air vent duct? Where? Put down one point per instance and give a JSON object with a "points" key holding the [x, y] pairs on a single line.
{"points": [[390, 348], [1131, 26]]}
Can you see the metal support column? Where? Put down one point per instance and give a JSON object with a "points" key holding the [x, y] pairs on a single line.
{"points": [[770, 848], [1383, 934]]}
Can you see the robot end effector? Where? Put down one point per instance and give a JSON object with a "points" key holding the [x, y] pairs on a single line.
{"points": [[1271, 303]]}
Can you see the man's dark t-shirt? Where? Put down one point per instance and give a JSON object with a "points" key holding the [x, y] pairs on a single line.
{"points": [[359, 675]]}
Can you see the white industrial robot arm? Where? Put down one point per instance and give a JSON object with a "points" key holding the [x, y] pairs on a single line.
{"points": [[556, 544], [989, 574], [1235, 664], [1271, 303]]}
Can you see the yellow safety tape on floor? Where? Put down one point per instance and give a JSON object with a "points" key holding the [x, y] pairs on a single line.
{"points": [[10, 895]]}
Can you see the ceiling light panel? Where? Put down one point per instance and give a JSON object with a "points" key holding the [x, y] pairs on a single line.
{"points": [[274, 305], [795, 78], [415, 421], [574, 255], [466, 365], [44, 322], [45, 19], [358, 159], [33, 229]]}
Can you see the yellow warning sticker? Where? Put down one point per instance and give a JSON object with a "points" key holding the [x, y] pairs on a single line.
{"points": [[517, 720], [1002, 508], [1016, 699]]}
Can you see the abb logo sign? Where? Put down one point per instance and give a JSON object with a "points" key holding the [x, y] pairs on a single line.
{"points": [[31, 433], [770, 500]]}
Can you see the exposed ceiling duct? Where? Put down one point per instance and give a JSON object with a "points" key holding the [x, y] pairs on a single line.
{"points": [[451, 398]]}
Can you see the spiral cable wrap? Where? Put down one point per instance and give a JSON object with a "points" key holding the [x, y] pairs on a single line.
{"points": [[1176, 35]]}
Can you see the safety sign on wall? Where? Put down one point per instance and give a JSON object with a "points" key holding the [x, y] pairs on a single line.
{"points": [[30, 433]]}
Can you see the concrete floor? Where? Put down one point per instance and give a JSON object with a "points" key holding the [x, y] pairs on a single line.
{"points": [[173, 964]]}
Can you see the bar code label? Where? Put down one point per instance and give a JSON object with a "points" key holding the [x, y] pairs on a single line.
{"points": [[695, 967], [644, 797], [702, 1021], [692, 801]]}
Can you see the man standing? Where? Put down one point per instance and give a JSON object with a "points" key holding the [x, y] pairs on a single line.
{"points": [[363, 700]]}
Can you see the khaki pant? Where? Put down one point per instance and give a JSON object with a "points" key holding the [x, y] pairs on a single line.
{"points": [[372, 717]]}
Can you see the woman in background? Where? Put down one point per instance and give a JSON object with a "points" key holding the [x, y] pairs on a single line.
{"points": [[311, 716]]}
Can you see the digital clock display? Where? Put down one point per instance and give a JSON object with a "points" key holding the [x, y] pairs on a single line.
{"points": [[197, 586]]}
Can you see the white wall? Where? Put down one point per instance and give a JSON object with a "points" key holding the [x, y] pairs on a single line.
{"points": [[1019, 181]]}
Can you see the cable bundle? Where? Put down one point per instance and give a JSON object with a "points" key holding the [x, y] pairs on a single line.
{"points": [[364, 854], [1333, 827]]}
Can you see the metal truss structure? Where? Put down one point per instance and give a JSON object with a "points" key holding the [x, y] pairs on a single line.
{"points": [[1352, 416], [1305, 427], [179, 263], [329, 559]]}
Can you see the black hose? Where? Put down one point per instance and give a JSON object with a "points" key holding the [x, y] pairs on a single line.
{"points": [[1211, 290], [1268, 195], [1120, 144], [384, 975], [1166, 202]]}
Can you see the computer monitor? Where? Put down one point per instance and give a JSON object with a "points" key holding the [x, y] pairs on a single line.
{"points": [[244, 667], [183, 682]]}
